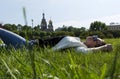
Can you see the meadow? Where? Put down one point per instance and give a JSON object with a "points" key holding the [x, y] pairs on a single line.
{"points": [[47, 64]]}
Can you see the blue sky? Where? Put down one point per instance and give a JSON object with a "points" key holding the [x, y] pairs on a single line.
{"points": [[78, 13]]}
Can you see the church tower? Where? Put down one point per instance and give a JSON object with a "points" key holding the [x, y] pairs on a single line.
{"points": [[43, 23], [50, 26]]}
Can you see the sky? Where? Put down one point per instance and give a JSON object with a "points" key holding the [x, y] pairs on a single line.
{"points": [[77, 13]]}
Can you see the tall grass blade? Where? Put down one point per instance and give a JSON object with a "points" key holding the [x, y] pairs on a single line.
{"points": [[31, 53], [24, 14], [32, 57], [9, 70], [103, 71], [73, 66], [115, 61]]}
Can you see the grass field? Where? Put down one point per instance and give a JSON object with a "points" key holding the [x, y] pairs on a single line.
{"points": [[46, 64]]}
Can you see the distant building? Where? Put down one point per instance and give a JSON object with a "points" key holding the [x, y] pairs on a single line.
{"points": [[114, 27], [44, 26]]}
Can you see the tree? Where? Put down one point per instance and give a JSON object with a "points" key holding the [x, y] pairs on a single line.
{"points": [[64, 28], [43, 34], [70, 29], [98, 26], [11, 27], [61, 33]]}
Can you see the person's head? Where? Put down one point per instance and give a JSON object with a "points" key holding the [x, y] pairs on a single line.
{"points": [[94, 41]]}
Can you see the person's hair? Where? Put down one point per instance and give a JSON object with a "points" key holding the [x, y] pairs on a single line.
{"points": [[102, 42], [97, 39]]}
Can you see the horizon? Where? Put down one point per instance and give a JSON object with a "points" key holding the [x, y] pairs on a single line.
{"points": [[76, 13]]}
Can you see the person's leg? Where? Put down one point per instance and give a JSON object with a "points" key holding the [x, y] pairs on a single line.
{"points": [[41, 43], [10, 38], [52, 41]]}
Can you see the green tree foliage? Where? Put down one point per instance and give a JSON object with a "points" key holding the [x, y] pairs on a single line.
{"points": [[62, 33], [99, 33], [37, 28], [114, 33], [98, 26], [43, 34], [76, 31], [11, 27]]}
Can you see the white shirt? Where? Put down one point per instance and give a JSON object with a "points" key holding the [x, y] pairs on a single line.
{"points": [[74, 42]]}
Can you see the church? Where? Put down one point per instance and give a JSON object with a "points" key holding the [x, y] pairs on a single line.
{"points": [[44, 26]]}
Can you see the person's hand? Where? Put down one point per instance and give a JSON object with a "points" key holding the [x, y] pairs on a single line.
{"points": [[108, 47], [105, 48]]}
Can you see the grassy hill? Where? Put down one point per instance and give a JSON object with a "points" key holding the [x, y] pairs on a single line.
{"points": [[46, 64]]}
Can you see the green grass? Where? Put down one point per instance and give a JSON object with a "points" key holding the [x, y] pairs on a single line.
{"points": [[1, 41], [46, 64]]}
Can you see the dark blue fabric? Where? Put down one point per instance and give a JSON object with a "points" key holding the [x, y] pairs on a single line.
{"points": [[10, 38]]}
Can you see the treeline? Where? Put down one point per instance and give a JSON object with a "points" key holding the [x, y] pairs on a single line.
{"points": [[96, 28]]}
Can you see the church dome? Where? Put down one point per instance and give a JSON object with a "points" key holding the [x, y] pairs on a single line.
{"points": [[50, 21]]}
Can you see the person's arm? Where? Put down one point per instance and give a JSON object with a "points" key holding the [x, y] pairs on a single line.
{"points": [[107, 48]]}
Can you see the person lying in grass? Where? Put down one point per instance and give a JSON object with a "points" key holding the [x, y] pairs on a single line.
{"points": [[92, 43]]}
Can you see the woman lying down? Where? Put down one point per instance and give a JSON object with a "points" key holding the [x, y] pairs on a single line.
{"points": [[91, 44]]}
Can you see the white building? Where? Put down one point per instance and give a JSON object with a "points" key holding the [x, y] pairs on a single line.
{"points": [[114, 26]]}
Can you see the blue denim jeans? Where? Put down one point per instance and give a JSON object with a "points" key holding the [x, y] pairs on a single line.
{"points": [[10, 38]]}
